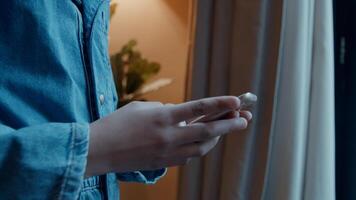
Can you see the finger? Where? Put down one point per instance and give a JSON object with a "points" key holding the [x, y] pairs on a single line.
{"points": [[197, 149], [231, 115], [204, 131], [146, 104], [246, 114], [201, 107], [154, 103], [218, 116]]}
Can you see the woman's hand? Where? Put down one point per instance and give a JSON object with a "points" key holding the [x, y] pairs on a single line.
{"points": [[146, 135]]}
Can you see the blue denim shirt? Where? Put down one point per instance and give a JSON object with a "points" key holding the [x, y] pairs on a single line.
{"points": [[55, 78]]}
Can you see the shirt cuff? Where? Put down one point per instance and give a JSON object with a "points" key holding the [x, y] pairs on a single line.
{"points": [[147, 177], [76, 164]]}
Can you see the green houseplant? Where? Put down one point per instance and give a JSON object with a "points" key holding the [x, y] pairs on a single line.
{"points": [[132, 71]]}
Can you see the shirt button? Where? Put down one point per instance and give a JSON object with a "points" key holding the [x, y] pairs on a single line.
{"points": [[102, 99]]}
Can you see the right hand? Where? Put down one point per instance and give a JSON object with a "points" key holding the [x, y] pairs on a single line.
{"points": [[146, 135]]}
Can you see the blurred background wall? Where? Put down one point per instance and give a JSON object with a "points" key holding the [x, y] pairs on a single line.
{"points": [[161, 28]]}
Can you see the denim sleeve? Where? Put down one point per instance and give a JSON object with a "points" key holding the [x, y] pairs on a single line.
{"points": [[43, 161], [148, 177]]}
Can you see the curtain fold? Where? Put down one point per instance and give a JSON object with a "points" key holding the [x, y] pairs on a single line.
{"points": [[301, 159], [236, 51], [282, 50]]}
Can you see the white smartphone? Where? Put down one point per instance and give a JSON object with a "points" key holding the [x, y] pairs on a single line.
{"points": [[248, 100]]}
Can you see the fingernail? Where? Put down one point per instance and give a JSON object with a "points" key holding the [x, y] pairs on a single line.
{"points": [[243, 122], [250, 117]]}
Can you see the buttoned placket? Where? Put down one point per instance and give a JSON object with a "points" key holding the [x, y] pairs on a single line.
{"points": [[99, 61], [98, 71]]}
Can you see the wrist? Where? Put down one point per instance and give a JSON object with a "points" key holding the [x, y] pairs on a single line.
{"points": [[96, 162]]}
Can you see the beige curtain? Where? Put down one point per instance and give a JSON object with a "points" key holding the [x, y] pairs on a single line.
{"points": [[301, 158], [282, 51]]}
